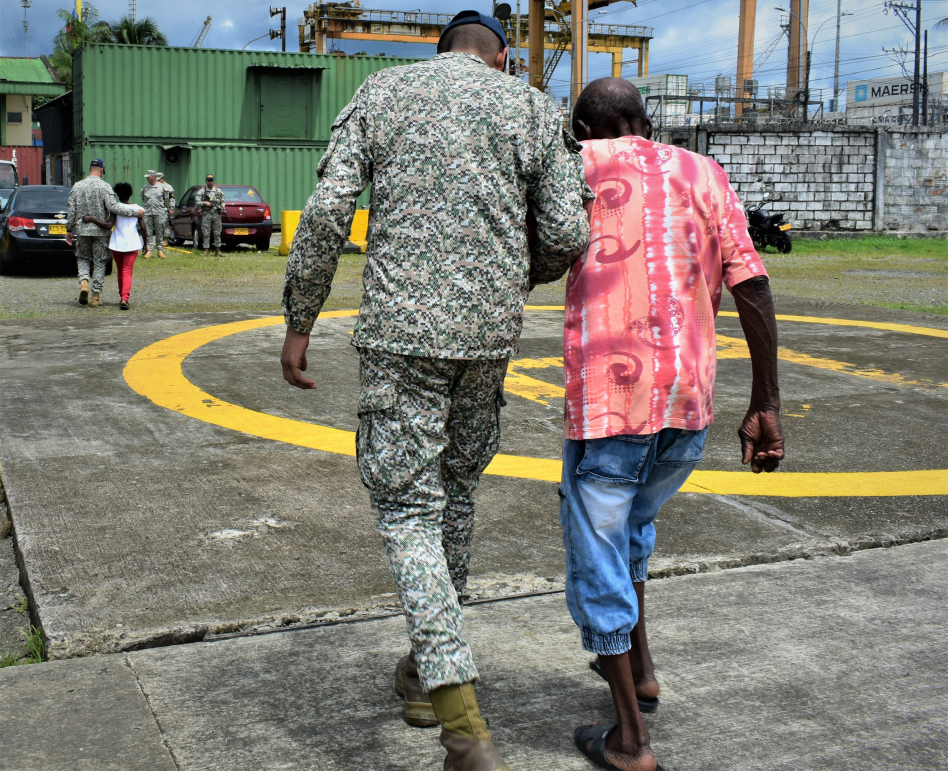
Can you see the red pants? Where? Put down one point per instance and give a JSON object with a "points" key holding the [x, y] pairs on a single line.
{"points": [[124, 261]]}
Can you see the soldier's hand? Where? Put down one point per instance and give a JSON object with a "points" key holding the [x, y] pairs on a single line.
{"points": [[293, 359], [69, 238]]}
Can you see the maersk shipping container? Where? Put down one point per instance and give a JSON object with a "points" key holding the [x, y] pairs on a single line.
{"points": [[260, 118]]}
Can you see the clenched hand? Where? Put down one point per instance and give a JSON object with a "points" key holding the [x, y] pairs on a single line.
{"points": [[761, 436]]}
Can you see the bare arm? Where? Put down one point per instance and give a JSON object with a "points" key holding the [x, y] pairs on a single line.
{"points": [[761, 432], [109, 223]]}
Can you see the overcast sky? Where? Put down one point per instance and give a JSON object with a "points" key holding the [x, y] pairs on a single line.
{"points": [[697, 38]]}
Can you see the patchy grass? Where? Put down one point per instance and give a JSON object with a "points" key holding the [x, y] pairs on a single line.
{"points": [[35, 650], [906, 274]]}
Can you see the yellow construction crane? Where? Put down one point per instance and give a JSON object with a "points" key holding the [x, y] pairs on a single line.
{"points": [[545, 27], [202, 35]]}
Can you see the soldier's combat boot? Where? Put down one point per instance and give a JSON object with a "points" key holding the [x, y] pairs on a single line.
{"points": [[204, 253], [418, 709], [161, 254], [464, 733], [147, 254], [95, 302], [83, 292], [217, 252]]}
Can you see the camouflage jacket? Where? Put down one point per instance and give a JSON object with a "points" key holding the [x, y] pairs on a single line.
{"points": [[170, 191], [95, 196], [457, 153], [156, 199], [215, 196]]}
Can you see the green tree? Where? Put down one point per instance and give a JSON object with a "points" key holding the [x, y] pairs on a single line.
{"points": [[75, 32], [143, 32]]}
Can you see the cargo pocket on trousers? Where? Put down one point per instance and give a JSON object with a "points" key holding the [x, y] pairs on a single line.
{"points": [[378, 440]]}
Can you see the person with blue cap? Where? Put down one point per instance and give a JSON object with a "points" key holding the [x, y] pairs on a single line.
{"points": [[95, 197], [460, 156]]}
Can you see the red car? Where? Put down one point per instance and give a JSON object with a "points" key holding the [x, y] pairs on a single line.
{"points": [[245, 220]]}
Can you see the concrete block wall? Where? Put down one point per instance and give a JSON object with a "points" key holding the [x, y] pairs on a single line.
{"points": [[822, 179], [916, 181]]}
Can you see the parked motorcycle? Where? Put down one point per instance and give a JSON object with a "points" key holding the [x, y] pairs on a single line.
{"points": [[768, 229]]}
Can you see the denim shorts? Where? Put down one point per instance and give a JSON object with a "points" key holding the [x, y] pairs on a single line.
{"points": [[610, 495]]}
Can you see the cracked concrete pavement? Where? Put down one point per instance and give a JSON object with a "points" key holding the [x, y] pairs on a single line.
{"points": [[834, 663], [139, 526]]}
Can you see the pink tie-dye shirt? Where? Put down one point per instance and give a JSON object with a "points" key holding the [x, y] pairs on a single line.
{"points": [[666, 230]]}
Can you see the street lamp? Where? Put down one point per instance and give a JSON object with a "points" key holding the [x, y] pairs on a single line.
{"points": [[839, 15]]}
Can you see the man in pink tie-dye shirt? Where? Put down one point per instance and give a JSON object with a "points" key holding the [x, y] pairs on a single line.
{"points": [[667, 232]]}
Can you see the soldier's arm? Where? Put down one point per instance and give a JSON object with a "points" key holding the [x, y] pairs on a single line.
{"points": [[112, 205], [344, 172], [557, 203], [71, 218]]}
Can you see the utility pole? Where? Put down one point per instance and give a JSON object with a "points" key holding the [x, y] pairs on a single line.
{"points": [[918, 61], [925, 82], [132, 10], [517, 64], [281, 12], [806, 86], [839, 14], [26, 24]]}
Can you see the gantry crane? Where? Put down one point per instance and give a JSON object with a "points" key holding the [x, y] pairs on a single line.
{"points": [[543, 28]]}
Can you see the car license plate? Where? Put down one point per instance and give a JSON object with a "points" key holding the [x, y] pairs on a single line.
{"points": [[241, 231], [57, 230], [786, 226]]}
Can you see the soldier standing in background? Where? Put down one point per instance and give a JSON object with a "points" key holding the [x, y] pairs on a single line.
{"points": [[169, 230], [210, 200], [155, 198], [94, 197]]}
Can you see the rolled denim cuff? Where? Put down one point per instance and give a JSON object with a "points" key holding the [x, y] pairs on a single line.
{"points": [[612, 644], [639, 570]]}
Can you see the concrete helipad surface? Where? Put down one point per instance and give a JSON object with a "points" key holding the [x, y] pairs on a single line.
{"points": [[834, 663], [139, 525]]}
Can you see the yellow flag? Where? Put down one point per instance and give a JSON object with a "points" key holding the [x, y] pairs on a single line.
{"points": [[79, 9]]}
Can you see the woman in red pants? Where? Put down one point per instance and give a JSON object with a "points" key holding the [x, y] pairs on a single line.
{"points": [[125, 243]]}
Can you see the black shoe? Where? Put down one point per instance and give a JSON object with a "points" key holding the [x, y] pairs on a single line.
{"points": [[124, 305]]}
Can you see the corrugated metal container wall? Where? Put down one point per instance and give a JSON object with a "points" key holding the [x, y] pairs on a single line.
{"points": [[133, 103], [140, 92], [28, 162], [284, 176]]}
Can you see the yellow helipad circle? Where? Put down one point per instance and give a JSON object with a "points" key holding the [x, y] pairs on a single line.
{"points": [[155, 373]]}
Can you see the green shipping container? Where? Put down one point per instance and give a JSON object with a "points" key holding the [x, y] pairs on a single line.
{"points": [[259, 118]]}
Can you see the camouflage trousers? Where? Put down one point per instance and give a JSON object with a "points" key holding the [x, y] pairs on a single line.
{"points": [[155, 228], [92, 259], [211, 220], [427, 429]]}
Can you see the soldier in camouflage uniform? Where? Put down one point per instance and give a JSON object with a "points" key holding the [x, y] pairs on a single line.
{"points": [[156, 201], [93, 196], [169, 230], [210, 200], [458, 154]]}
